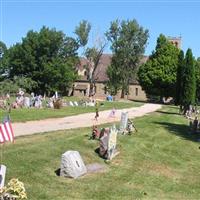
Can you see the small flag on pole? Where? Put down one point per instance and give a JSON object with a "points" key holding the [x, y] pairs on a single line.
{"points": [[6, 131]]}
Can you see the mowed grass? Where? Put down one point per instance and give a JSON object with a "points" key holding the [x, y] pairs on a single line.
{"points": [[160, 161], [25, 114]]}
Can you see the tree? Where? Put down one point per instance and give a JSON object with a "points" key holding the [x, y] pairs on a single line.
{"points": [[46, 57], [128, 41], [93, 54], [158, 75], [179, 78], [197, 69], [3, 59], [82, 31], [3, 48], [113, 83], [12, 86], [189, 81]]}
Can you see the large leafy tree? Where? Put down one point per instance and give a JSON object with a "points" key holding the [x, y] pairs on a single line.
{"points": [[47, 57], [189, 81], [114, 83], [128, 40], [3, 59], [158, 75], [3, 48]]}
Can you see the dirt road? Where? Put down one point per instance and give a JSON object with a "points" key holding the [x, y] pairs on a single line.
{"points": [[81, 120]]}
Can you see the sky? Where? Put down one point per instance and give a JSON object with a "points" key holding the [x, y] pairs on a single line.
{"points": [[171, 18]]}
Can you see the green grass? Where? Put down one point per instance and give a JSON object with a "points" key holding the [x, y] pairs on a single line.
{"points": [[160, 161], [25, 114]]}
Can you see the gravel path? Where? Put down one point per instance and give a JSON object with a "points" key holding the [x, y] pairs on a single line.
{"points": [[81, 120]]}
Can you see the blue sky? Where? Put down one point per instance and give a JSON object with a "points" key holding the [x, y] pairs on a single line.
{"points": [[172, 18]]}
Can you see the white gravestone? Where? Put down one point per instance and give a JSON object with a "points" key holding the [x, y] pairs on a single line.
{"points": [[112, 142], [123, 122], [71, 103], [2, 175], [72, 165], [75, 103], [56, 94], [27, 102]]}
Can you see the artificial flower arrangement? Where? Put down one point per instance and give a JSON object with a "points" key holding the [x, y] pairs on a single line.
{"points": [[14, 190]]}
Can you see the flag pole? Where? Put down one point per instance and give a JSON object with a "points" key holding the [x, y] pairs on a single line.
{"points": [[1, 153], [8, 110]]}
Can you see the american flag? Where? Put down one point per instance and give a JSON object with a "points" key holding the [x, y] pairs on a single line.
{"points": [[6, 131]]}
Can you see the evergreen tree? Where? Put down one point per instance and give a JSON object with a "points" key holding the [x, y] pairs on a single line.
{"points": [[179, 78], [189, 82]]}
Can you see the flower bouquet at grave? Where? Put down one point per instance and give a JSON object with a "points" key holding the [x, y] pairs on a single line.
{"points": [[14, 190], [130, 127], [95, 133]]}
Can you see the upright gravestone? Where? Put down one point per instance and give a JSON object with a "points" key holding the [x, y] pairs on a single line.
{"points": [[56, 94], [71, 103], [112, 142], [72, 165], [27, 102], [103, 146], [75, 103], [123, 122], [2, 175], [108, 143]]}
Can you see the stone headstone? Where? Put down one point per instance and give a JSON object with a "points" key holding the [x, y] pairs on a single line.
{"points": [[71, 103], [112, 142], [50, 104], [2, 175], [123, 122], [107, 148], [75, 103], [27, 102], [72, 165], [103, 146], [56, 94]]}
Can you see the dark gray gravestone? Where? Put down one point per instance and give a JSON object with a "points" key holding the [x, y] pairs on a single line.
{"points": [[103, 146], [72, 165], [2, 175]]}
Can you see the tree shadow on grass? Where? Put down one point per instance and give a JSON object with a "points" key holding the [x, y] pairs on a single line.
{"points": [[181, 130], [169, 113]]}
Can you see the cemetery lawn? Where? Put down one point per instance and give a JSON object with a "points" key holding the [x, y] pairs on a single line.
{"points": [[28, 114], [160, 161]]}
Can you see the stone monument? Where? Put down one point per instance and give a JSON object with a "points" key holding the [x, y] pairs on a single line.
{"points": [[123, 122], [108, 144], [72, 165]]}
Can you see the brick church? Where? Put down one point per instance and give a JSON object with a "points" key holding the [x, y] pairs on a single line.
{"points": [[81, 86]]}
